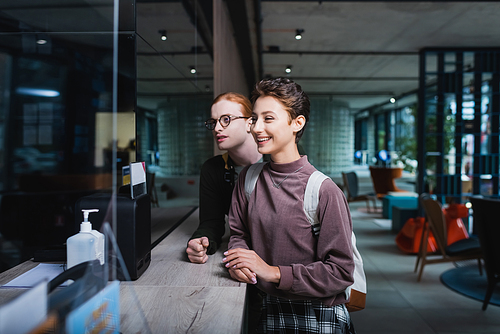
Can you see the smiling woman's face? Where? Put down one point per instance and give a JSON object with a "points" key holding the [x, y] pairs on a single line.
{"points": [[272, 127]]}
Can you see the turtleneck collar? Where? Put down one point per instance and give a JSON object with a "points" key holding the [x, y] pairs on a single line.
{"points": [[290, 166]]}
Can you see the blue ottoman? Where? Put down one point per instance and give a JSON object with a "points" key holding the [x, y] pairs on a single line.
{"points": [[400, 216], [402, 200]]}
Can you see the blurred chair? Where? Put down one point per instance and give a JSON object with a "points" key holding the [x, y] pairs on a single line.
{"points": [[421, 199], [465, 249], [383, 179], [351, 188], [488, 228]]}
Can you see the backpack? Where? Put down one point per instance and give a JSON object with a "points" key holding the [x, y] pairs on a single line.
{"points": [[356, 293]]}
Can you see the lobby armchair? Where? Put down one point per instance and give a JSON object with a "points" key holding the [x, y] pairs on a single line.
{"points": [[465, 249], [488, 227], [351, 189], [383, 179]]}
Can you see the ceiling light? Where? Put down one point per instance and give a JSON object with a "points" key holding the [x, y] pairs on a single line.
{"points": [[163, 34], [288, 69], [41, 41], [393, 100], [193, 70], [37, 92], [298, 34]]}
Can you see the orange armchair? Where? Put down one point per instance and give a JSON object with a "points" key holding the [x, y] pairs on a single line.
{"points": [[383, 179]]}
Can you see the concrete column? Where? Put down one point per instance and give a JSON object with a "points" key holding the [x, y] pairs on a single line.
{"points": [[228, 68]]}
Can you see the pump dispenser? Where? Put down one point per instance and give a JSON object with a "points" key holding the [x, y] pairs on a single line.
{"points": [[87, 245]]}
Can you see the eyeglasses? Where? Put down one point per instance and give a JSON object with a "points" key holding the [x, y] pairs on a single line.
{"points": [[224, 121]]}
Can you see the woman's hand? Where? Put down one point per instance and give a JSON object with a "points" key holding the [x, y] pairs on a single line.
{"points": [[240, 258], [243, 275]]}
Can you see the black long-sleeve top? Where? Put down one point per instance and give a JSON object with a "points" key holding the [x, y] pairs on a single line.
{"points": [[216, 188]]}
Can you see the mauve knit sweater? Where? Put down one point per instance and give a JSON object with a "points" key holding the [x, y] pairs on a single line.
{"points": [[273, 224]]}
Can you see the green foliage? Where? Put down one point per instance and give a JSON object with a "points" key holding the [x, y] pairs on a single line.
{"points": [[406, 142], [433, 134]]}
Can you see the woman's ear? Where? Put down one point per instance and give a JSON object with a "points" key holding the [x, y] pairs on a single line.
{"points": [[298, 123], [249, 125]]}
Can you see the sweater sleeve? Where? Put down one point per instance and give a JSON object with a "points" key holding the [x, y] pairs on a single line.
{"points": [[332, 273], [238, 223], [215, 195]]}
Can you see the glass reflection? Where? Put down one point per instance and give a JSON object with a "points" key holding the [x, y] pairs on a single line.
{"points": [[56, 112], [56, 62], [172, 105]]}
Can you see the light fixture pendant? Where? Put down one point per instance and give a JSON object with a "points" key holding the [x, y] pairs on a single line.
{"points": [[163, 34], [298, 34]]}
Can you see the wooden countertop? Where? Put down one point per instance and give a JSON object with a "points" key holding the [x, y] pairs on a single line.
{"points": [[174, 295], [177, 296]]}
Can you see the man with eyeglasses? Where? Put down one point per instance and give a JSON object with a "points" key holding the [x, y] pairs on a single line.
{"points": [[230, 125]]}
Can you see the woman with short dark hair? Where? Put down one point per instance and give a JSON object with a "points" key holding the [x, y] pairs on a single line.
{"points": [[304, 276]]}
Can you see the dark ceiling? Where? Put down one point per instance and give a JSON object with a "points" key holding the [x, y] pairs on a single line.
{"points": [[359, 52]]}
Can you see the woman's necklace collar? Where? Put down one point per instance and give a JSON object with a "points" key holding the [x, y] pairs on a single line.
{"points": [[278, 185]]}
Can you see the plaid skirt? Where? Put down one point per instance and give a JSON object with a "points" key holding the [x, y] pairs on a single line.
{"points": [[303, 316]]}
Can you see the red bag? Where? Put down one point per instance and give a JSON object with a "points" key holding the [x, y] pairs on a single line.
{"points": [[408, 239], [456, 228]]}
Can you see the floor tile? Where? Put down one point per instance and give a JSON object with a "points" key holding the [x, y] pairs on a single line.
{"points": [[461, 320], [389, 319]]}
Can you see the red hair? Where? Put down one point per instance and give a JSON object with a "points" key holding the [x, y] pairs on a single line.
{"points": [[246, 109]]}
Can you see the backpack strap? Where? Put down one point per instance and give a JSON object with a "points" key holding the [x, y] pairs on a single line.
{"points": [[356, 293], [252, 176], [311, 199]]}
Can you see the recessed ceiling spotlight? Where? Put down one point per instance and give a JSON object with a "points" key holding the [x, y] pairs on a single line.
{"points": [[192, 70], [298, 34], [41, 42], [163, 34], [288, 69], [392, 100]]}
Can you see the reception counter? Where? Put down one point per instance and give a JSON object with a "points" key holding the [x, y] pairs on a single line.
{"points": [[173, 295]]}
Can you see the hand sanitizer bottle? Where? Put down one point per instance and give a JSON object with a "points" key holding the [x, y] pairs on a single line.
{"points": [[86, 245]]}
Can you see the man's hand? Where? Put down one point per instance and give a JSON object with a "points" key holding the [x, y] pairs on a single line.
{"points": [[197, 250]]}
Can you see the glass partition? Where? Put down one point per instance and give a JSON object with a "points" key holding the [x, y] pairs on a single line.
{"points": [[61, 139], [56, 102], [174, 94]]}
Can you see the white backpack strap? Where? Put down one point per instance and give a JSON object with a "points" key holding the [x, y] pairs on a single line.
{"points": [[359, 273], [356, 293], [252, 176], [311, 199]]}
